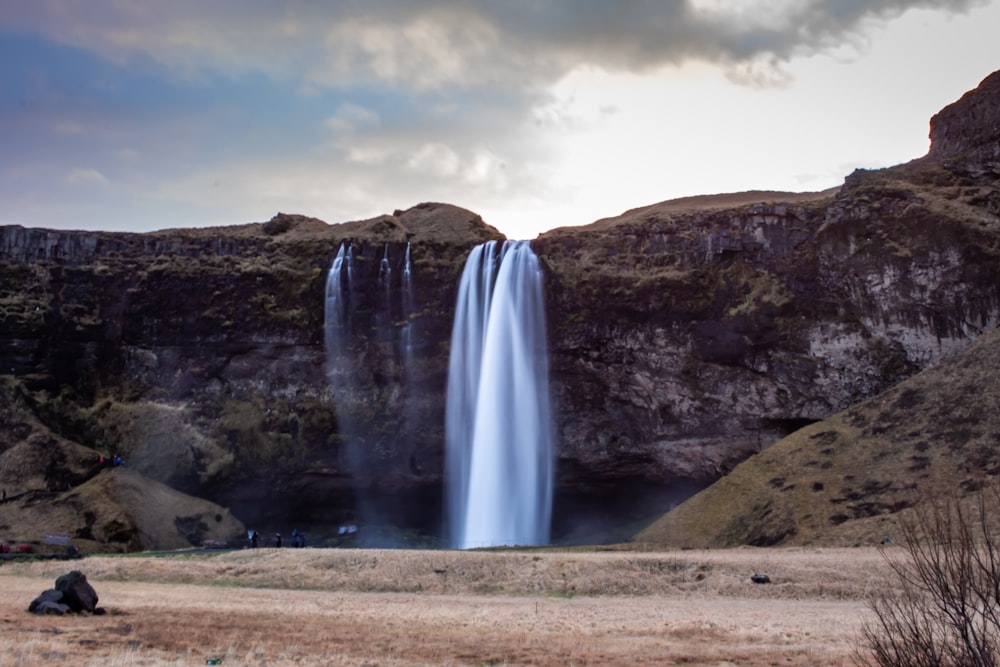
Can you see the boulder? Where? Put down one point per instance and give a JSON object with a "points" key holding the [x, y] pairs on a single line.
{"points": [[52, 608], [77, 593], [51, 596]]}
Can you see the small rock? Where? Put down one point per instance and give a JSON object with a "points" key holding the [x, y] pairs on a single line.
{"points": [[759, 578]]}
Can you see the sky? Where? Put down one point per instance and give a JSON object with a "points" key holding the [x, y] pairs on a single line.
{"points": [[137, 115]]}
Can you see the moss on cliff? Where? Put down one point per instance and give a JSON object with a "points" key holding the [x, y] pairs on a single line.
{"points": [[24, 297]]}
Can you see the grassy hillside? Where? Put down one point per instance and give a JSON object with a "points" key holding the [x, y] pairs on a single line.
{"points": [[54, 485], [842, 480]]}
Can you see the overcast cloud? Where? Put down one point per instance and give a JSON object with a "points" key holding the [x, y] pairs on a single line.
{"points": [[418, 45], [129, 114]]}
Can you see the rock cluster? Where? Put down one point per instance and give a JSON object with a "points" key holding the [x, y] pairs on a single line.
{"points": [[72, 593]]}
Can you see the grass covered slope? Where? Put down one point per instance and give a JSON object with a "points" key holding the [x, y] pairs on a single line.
{"points": [[53, 485], [842, 480], [118, 510]]}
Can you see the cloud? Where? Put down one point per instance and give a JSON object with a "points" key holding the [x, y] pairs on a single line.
{"points": [[69, 128], [518, 45], [86, 177], [368, 155], [351, 117], [435, 158], [204, 113]]}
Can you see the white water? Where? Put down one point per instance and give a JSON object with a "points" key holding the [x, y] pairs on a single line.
{"points": [[335, 307], [408, 311], [498, 426], [383, 301], [385, 270], [407, 283]]}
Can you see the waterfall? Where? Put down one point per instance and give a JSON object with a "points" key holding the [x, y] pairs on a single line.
{"points": [[350, 264], [385, 270], [409, 307], [498, 424], [464, 364], [341, 369], [369, 365], [336, 311], [407, 282], [383, 302]]}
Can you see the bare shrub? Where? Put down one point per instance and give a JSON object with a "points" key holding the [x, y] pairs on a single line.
{"points": [[945, 610]]}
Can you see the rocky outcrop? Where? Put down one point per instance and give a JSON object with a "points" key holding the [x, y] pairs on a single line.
{"points": [[684, 337], [966, 135]]}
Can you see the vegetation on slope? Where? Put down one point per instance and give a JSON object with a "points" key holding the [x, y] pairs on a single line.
{"points": [[842, 480]]}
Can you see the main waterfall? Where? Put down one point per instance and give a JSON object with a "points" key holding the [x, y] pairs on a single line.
{"points": [[498, 427]]}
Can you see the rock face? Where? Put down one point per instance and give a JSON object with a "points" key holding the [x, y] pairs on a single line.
{"points": [[966, 134], [684, 337], [690, 339]]}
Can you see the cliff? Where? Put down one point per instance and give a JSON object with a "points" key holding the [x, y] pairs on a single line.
{"points": [[965, 136], [198, 356], [692, 335], [685, 337], [843, 481]]}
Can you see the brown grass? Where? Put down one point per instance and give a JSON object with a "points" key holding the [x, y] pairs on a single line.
{"points": [[368, 607], [716, 202], [848, 479]]}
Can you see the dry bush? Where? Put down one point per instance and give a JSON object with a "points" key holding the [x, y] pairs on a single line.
{"points": [[946, 609]]}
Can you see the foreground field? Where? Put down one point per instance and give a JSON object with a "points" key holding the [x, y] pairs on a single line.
{"points": [[374, 607]]}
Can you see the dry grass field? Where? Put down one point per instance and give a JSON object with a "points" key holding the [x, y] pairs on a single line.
{"points": [[379, 607]]}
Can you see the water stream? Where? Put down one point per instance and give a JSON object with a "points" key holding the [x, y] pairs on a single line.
{"points": [[499, 462]]}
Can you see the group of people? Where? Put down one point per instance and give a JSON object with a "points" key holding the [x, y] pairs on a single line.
{"points": [[298, 539], [111, 462]]}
